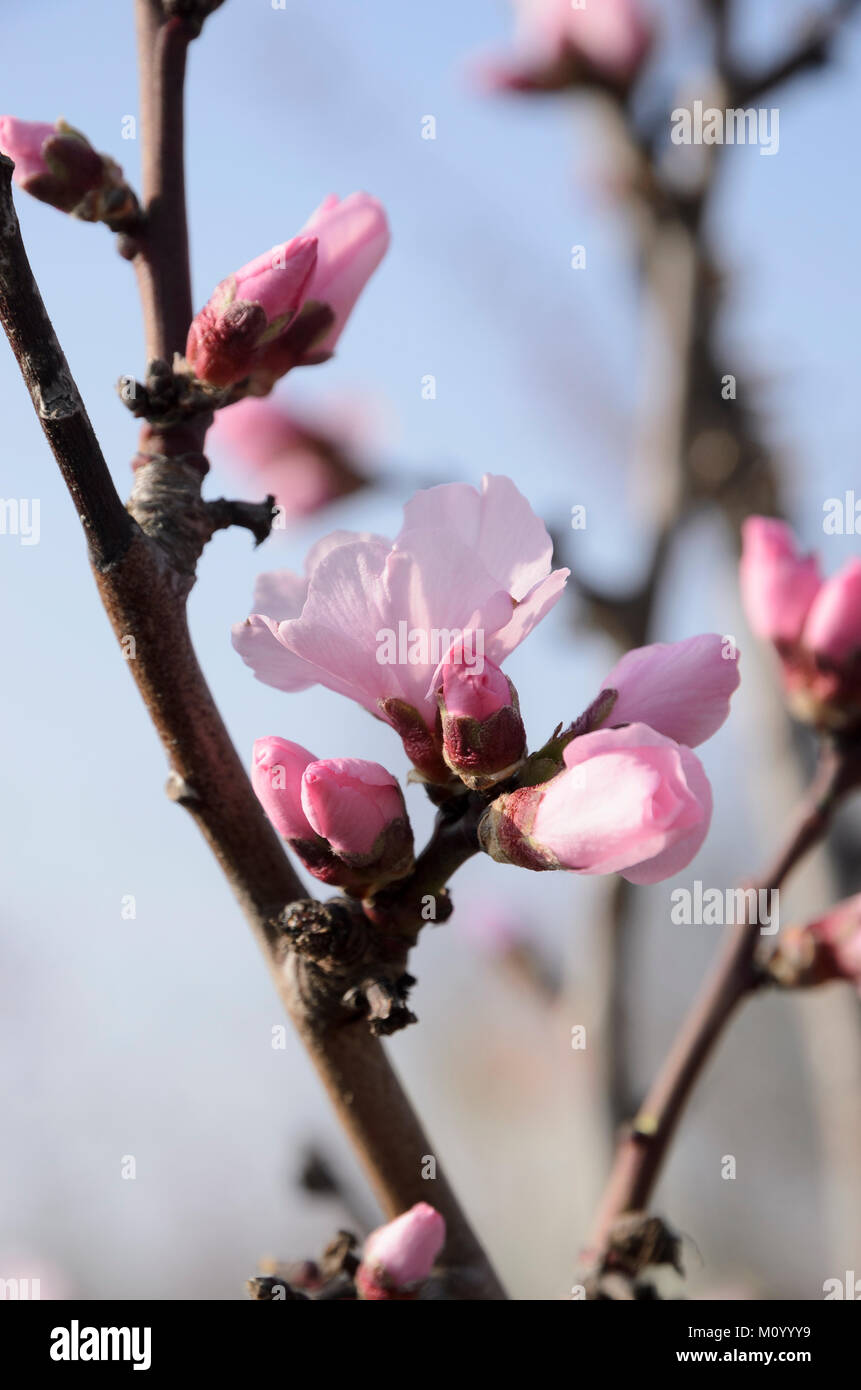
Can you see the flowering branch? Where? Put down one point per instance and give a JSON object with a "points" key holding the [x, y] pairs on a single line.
{"points": [[642, 1152], [144, 568]]}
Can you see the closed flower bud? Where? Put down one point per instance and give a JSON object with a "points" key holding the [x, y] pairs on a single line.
{"points": [[276, 775], [628, 801], [399, 1256], [483, 735], [58, 165], [249, 314], [815, 625], [344, 817]]}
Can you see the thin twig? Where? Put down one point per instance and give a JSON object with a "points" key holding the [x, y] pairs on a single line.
{"points": [[642, 1152]]}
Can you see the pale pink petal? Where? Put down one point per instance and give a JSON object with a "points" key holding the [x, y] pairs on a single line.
{"points": [[681, 689], [680, 853], [280, 594], [257, 642], [527, 615], [497, 522]]}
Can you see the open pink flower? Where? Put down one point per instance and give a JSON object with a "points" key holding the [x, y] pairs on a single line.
{"points": [[560, 43], [814, 624], [373, 619], [399, 1256], [303, 465], [628, 801]]}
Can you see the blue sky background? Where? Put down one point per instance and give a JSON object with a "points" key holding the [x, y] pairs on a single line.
{"points": [[151, 1037]]}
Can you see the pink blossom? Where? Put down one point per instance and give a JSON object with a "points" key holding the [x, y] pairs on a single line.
{"points": [[832, 630], [351, 803], [276, 775], [484, 740], [628, 801], [23, 141], [344, 817], [303, 465], [352, 237], [248, 312], [828, 948], [559, 43], [840, 931], [778, 585], [399, 1256], [680, 689], [815, 625], [371, 618], [58, 165], [472, 694]]}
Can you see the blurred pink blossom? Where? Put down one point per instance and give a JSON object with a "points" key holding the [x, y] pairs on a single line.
{"points": [[560, 43], [303, 464], [814, 624]]}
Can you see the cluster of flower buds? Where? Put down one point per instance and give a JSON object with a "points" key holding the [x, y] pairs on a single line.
{"points": [[289, 306], [345, 818], [58, 165], [813, 624], [826, 949], [618, 791], [564, 43]]}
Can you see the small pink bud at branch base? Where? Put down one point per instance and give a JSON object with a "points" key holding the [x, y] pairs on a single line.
{"points": [[399, 1256]]}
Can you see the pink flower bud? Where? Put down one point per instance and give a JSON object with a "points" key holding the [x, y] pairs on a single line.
{"points": [[276, 775], [399, 1256], [777, 584], [350, 803], [58, 165], [814, 625], [483, 735], [628, 801], [345, 818], [826, 949], [833, 627], [352, 238], [358, 808], [248, 316]]}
